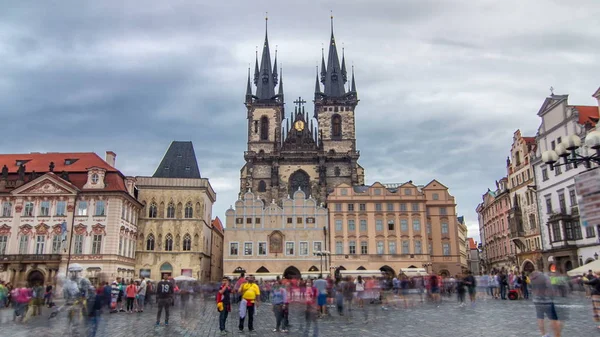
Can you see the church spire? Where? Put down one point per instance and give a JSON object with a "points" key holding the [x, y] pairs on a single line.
{"points": [[281, 85], [334, 81], [317, 85], [248, 87], [265, 88], [275, 68], [256, 71], [353, 88], [344, 73], [323, 69]]}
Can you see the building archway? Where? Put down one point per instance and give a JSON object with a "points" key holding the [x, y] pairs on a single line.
{"points": [[361, 268], [166, 270], [35, 277], [338, 271], [388, 270], [262, 269], [444, 273], [291, 272], [568, 265], [313, 268], [589, 260], [528, 266]]}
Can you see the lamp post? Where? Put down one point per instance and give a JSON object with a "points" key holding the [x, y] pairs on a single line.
{"points": [[426, 266], [596, 256], [321, 253], [566, 150]]}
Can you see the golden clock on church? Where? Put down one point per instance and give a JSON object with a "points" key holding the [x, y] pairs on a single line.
{"points": [[299, 125]]}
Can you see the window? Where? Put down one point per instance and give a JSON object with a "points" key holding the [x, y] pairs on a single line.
{"points": [[405, 247], [3, 244], [303, 248], [557, 235], [264, 128], [430, 247], [407, 191], [189, 210], [573, 197], [562, 202], [150, 242], [187, 242], [577, 230], [377, 191], [544, 174], [152, 211], [429, 228], [418, 247], [352, 247], [378, 207], [317, 246], [362, 207], [6, 209], [435, 196], [532, 224], [257, 220], [446, 249], [24, 244], [364, 248], [45, 208], [299, 220], [249, 221], [262, 186], [336, 126], [589, 233], [40, 243], [309, 220], [96, 244], [557, 170], [404, 225], [548, 204], [168, 243], [553, 145], [28, 209], [416, 225], [351, 226], [99, 208], [443, 211], [262, 248], [378, 225], [121, 245], [338, 225], [94, 178], [339, 247], [350, 207], [390, 225], [403, 207], [444, 228], [248, 248], [78, 244], [82, 208], [56, 244], [344, 191], [415, 207], [379, 247], [392, 247], [290, 220], [390, 207], [363, 225], [338, 207], [289, 248], [233, 248], [171, 210]]}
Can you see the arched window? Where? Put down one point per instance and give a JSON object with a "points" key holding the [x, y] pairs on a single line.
{"points": [[187, 242], [152, 211], [300, 179], [150, 242], [262, 186], [336, 126], [169, 243], [171, 210], [189, 211], [264, 128]]}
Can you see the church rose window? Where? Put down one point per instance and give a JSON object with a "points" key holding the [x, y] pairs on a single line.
{"points": [[336, 126], [300, 179]]}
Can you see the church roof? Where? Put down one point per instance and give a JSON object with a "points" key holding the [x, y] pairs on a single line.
{"points": [[178, 162]]}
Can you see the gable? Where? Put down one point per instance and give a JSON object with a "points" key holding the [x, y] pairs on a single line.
{"points": [[551, 102], [46, 184], [434, 184]]}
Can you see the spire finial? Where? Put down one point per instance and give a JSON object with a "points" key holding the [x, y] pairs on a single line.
{"points": [[552, 91], [331, 11]]}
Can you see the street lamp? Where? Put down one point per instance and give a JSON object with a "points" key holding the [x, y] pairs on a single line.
{"points": [[426, 266], [321, 253], [596, 256], [566, 150]]}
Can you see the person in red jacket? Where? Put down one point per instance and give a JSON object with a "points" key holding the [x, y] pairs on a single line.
{"points": [[224, 304]]}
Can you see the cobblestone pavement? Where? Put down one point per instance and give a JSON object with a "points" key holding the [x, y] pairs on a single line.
{"points": [[491, 317]]}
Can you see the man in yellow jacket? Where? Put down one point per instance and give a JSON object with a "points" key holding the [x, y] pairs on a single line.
{"points": [[250, 296]]}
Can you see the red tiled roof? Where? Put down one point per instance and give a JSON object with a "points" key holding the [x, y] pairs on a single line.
{"points": [[217, 224], [529, 140], [588, 114], [472, 244], [40, 162]]}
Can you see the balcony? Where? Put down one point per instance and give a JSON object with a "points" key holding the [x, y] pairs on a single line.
{"points": [[30, 258]]}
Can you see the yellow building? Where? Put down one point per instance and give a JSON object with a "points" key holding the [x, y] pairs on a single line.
{"points": [[394, 226], [175, 223]]}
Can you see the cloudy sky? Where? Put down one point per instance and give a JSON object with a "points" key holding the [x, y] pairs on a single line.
{"points": [[443, 84]]}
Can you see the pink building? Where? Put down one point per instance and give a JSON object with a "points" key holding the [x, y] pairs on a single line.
{"points": [[499, 251]]}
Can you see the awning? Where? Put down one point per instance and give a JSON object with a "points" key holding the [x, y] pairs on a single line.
{"points": [[362, 273], [413, 271], [594, 266]]}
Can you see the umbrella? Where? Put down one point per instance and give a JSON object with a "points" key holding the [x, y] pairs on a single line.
{"points": [[184, 278], [594, 266]]}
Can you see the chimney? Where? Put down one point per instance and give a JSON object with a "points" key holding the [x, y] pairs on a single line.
{"points": [[111, 158]]}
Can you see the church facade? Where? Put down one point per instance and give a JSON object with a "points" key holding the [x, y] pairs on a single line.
{"points": [[311, 152]]}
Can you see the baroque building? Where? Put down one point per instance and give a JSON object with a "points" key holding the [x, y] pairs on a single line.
{"points": [[175, 223], [522, 216], [394, 227], [52, 201], [298, 150]]}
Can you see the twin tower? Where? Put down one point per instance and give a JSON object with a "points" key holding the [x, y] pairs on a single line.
{"points": [[296, 151]]}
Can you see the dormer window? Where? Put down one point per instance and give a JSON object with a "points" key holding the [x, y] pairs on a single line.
{"points": [[179, 155], [187, 168], [166, 167], [95, 178], [70, 161]]}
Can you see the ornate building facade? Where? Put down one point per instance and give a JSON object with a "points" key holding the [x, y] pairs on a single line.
{"points": [[311, 152], [175, 222], [53, 201], [392, 227], [216, 251], [522, 216], [273, 239]]}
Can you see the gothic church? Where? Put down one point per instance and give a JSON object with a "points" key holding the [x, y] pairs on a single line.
{"points": [[291, 151]]}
